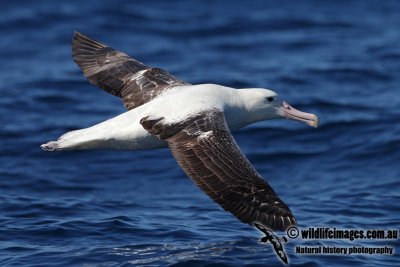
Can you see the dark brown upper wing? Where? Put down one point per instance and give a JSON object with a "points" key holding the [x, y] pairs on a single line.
{"points": [[207, 152], [118, 74]]}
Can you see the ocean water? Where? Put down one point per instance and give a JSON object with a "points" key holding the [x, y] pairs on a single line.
{"points": [[337, 59]]}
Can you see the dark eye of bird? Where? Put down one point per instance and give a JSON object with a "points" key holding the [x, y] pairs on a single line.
{"points": [[270, 99]]}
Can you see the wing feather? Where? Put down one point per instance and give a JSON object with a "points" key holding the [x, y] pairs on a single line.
{"points": [[209, 155], [118, 74]]}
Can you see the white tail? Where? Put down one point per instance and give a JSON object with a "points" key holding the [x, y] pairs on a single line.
{"points": [[68, 141]]}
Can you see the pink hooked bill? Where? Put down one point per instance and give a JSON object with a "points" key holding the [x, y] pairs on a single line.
{"points": [[291, 113]]}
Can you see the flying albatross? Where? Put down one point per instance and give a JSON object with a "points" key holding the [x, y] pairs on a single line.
{"points": [[194, 121]]}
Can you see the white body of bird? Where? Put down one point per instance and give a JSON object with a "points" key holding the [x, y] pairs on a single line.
{"points": [[124, 132]]}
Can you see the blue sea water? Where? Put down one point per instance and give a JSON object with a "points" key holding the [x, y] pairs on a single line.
{"points": [[337, 59]]}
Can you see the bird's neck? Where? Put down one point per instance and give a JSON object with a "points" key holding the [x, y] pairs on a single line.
{"points": [[238, 111]]}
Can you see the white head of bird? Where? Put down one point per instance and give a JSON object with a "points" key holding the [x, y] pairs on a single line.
{"points": [[264, 104]]}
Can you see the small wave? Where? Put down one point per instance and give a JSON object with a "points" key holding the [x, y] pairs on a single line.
{"points": [[54, 99], [54, 84], [333, 106], [350, 74], [290, 80], [302, 23], [390, 56]]}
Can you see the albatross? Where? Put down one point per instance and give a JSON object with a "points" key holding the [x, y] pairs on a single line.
{"points": [[194, 121]]}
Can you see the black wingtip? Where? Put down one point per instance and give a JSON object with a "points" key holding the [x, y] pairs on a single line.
{"points": [[260, 227], [85, 52], [77, 35], [80, 40], [284, 259]]}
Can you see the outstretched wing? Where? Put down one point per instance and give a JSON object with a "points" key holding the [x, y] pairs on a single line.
{"points": [[207, 152], [118, 74]]}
